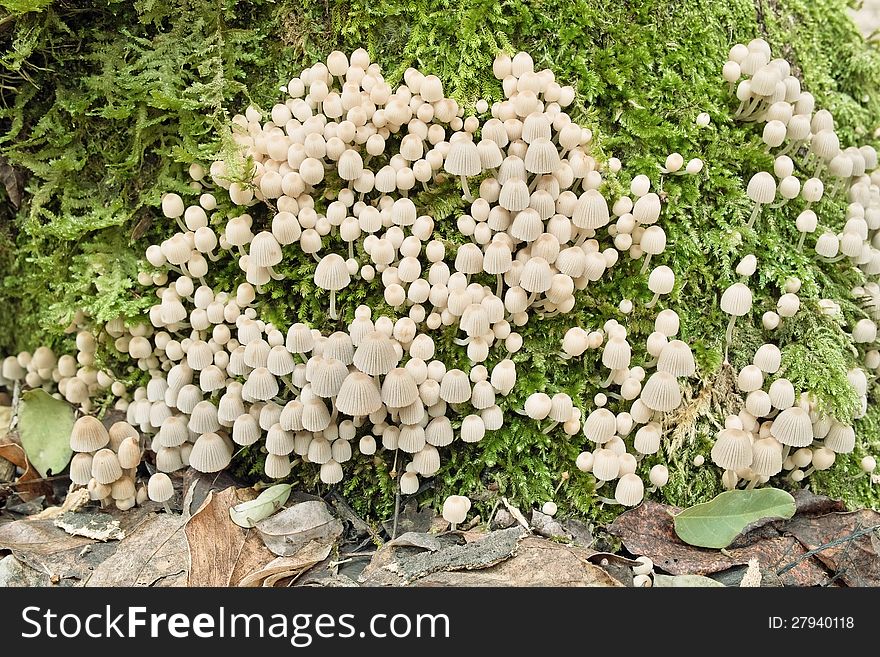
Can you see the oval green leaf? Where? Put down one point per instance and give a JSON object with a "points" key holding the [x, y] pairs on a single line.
{"points": [[714, 524], [44, 426], [248, 514]]}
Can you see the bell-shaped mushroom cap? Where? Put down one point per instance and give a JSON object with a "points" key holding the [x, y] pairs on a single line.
{"points": [[617, 353], [475, 320], [646, 209], [331, 273], [203, 418], [527, 225], [279, 441], [536, 276], [497, 257], [439, 432], [327, 379], [503, 376], [210, 453], [409, 483], [358, 395], [168, 459], [88, 435], [260, 385], [864, 331], [339, 346], [159, 488], [277, 466], [375, 354], [766, 457], [105, 467], [469, 259], [591, 211], [647, 439], [299, 339], [399, 389], [473, 429], [841, 438], [463, 159], [732, 449], [661, 280], [782, 394], [761, 188], [606, 465], [737, 300], [630, 490], [119, 431], [768, 358], [81, 468], [331, 472], [427, 461], [279, 361], [661, 392], [455, 387], [600, 426], [455, 509], [758, 403], [129, 453], [350, 165], [677, 359], [514, 195], [542, 156], [561, 407], [245, 430], [793, 427], [265, 250], [411, 438], [315, 415]]}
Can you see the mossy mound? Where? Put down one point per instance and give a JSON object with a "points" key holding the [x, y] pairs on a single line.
{"points": [[105, 107]]}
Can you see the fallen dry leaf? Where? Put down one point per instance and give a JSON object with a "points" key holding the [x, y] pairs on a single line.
{"points": [[152, 554], [648, 530], [853, 559], [290, 529], [221, 552], [293, 566], [537, 562]]}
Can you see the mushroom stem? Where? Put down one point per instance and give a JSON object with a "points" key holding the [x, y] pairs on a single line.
{"points": [[167, 508], [532, 297], [550, 427], [534, 182], [499, 286], [651, 363], [755, 212], [466, 190], [213, 257], [786, 450], [181, 225], [351, 250], [317, 258], [609, 379], [461, 342], [809, 471], [645, 264], [728, 336], [837, 258], [819, 169], [752, 482], [333, 313], [800, 244], [289, 384], [653, 301], [241, 250]]}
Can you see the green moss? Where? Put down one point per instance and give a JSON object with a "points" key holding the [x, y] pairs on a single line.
{"points": [[106, 103]]}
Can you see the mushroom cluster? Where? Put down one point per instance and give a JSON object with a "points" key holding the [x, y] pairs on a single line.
{"points": [[641, 402], [106, 461]]}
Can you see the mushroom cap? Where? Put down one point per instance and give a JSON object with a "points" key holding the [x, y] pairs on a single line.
{"points": [[159, 487], [455, 509], [261, 385], [542, 156], [81, 468], [606, 465], [327, 379], [647, 440], [617, 353], [677, 359], [399, 389], [210, 453], [105, 466], [375, 355], [732, 449], [661, 392], [277, 466], [299, 339], [439, 432], [358, 395], [591, 211], [737, 300], [600, 426], [88, 435], [463, 159], [768, 358], [841, 438], [766, 457], [279, 441], [129, 454], [629, 490], [661, 280], [245, 430], [331, 273], [265, 251], [793, 427], [762, 188], [315, 416]]}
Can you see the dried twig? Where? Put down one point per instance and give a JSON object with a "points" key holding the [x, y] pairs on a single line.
{"points": [[837, 541]]}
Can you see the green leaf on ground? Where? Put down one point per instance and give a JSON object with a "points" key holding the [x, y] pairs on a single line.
{"points": [[44, 426], [716, 523], [248, 514]]}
